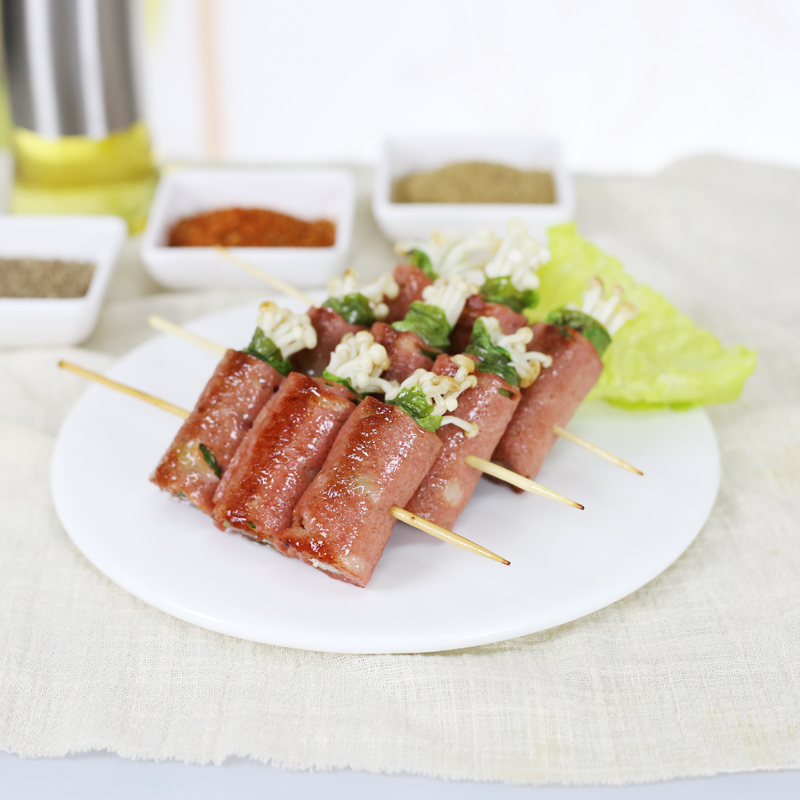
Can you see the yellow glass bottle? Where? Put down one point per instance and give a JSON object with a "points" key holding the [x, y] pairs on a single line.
{"points": [[79, 142], [79, 175]]}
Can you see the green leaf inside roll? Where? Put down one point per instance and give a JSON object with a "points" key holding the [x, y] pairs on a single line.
{"points": [[209, 458], [501, 290], [587, 326], [429, 323], [261, 346], [353, 308], [491, 357], [415, 403], [421, 260], [329, 376]]}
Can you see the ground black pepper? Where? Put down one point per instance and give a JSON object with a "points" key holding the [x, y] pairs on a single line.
{"points": [[34, 277], [475, 182]]}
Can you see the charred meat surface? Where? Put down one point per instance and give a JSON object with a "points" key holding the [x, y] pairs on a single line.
{"points": [[203, 448], [550, 400], [342, 522]]}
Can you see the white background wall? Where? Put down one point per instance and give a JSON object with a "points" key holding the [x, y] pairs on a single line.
{"points": [[628, 86]]}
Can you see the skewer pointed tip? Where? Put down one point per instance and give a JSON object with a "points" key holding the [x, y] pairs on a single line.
{"points": [[593, 448], [520, 481], [425, 525]]}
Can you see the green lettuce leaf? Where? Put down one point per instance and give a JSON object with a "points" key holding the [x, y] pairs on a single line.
{"points": [[261, 346], [501, 290], [429, 323], [353, 308], [659, 359]]}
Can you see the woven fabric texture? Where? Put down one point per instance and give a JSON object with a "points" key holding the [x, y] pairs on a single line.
{"points": [[696, 673]]}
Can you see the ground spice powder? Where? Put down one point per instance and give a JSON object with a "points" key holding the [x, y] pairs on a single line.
{"points": [[251, 227], [34, 277], [475, 182]]}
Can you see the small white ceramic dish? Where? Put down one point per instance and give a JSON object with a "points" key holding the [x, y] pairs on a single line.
{"points": [[49, 321], [425, 595], [404, 155], [305, 193]]}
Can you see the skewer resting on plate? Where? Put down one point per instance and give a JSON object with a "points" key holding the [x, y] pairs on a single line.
{"points": [[415, 521]]}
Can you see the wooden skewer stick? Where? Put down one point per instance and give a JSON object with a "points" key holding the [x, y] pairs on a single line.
{"points": [[445, 535], [593, 448], [161, 324], [121, 387], [398, 513], [515, 479], [275, 283]]}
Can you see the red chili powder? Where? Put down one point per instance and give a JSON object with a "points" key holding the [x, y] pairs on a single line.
{"points": [[250, 227]]}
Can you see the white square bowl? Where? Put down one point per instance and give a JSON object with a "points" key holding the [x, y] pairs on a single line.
{"points": [[305, 193], [404, 155], [53, 321]]}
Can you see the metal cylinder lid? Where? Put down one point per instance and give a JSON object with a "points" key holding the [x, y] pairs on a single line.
{"points": [[70, 66]]}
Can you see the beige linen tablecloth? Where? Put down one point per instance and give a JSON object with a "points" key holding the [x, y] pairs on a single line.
{"points": [[696, 673]]}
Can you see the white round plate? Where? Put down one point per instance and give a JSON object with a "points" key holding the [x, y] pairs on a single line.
{"points": [[425, 595]]}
